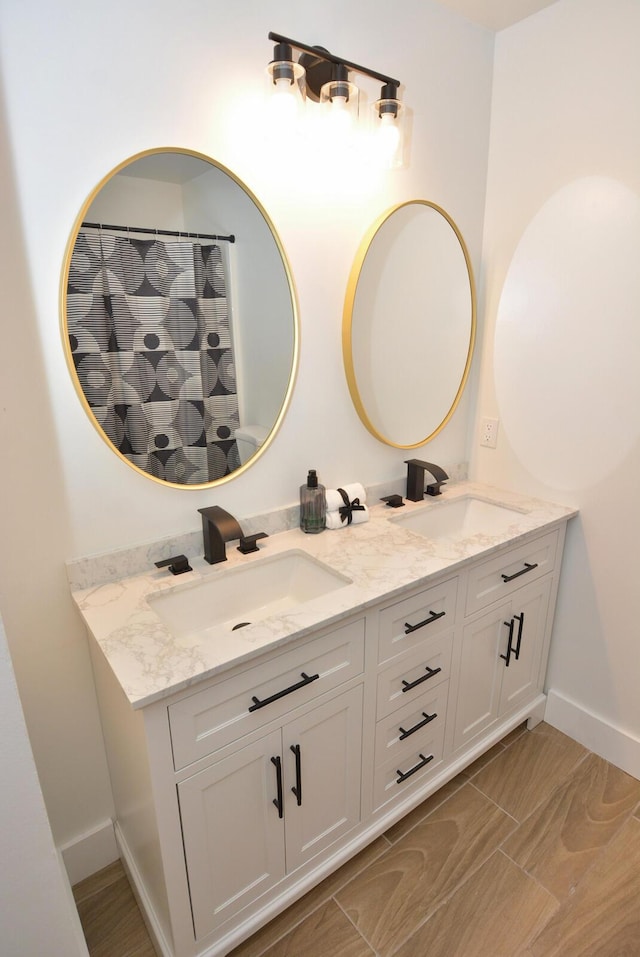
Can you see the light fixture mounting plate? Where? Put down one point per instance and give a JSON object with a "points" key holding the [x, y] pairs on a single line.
{"points": [[318, 71]]}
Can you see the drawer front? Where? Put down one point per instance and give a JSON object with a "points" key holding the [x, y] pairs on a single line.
{"points": [[210, 719], [498, 577], [407, 623], [400, 733], [415, 675], [396, 776]]}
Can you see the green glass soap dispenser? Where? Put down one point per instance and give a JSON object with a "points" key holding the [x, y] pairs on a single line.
{"points": [[313, 505]]}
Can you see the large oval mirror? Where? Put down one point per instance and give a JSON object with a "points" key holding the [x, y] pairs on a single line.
{"points": [[179, 318], [409, 324]]}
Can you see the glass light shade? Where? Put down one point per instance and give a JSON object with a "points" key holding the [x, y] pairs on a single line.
{"points": [[339, 101], [287, 91], [388, 133]]}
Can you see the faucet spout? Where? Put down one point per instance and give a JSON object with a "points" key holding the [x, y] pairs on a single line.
{"points": [[218, 527], [415, 479]]}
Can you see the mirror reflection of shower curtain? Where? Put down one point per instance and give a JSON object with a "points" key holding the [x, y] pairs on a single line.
{"points": [[151, 339]]}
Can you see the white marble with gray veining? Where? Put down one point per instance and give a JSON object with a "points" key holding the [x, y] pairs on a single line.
{"points": [[380, 558]]}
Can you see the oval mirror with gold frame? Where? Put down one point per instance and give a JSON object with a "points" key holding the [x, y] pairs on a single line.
{"points": [[179, 318], [409, 324]]}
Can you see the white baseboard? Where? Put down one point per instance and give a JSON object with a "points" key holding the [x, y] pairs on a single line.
{"points": [[90, 852], [156, 933], [615, 744]]}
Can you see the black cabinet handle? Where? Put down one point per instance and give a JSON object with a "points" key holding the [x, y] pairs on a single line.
{"points": [[510, 649], [408, 685], [306, 680], [433, 616], [297, 790], [278, 800], [528, 567], [416, 727], [520, 618], [403, 775]]}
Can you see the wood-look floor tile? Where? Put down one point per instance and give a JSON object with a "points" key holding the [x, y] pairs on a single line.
{"points": [[602, 918], [391, 898], [514, 735], [112, 923], [497, 912], [482, 761], [98, 882], [526, 773], [297, 912], [325, 932], [559, 842], [407, 823]]}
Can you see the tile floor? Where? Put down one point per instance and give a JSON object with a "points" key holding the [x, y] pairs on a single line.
{"points": [[533, 851]]}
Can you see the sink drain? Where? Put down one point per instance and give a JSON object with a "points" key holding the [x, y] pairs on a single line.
{"points": [[241, 624]]}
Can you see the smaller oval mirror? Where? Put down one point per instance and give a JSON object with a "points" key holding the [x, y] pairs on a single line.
{"points": [[179, 318], [409, 324]]}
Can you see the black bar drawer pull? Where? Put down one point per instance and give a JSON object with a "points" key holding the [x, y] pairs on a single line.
{"points": [[528, 567], [510, 649], [306, 680], [403, 775], [416, 727], [408, 685], [278, 800], [297, 790], [433, 616]]}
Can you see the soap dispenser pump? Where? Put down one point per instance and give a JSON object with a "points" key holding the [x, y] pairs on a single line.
{"points": [[313, 505]]}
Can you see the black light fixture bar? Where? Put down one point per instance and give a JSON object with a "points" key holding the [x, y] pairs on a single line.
{"points": [[323, 54]]}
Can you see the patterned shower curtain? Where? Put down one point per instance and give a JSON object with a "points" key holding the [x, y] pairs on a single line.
{"points": [[150, 335]]}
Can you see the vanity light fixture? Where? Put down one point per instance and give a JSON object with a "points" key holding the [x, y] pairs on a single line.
{"points": [[324, 78]]}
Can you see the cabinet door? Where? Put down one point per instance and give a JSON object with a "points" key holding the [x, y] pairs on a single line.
{"points": [[529, 614], [480, 677], [233, 835], [322, 758]]}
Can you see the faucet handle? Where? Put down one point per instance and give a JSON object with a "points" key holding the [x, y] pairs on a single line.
{"points": [[393, 501], [177, 565], [248, 543]]}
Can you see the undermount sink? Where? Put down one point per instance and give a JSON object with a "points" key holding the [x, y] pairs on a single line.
{"points": [[234, 597], [460, 519]]}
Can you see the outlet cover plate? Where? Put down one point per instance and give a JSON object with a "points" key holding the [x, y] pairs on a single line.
{"points": [[489, 433]]}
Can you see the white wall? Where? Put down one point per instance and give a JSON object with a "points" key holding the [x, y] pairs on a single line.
{"points": [[36, 912], [86, 85], [565, 117], [134, 201]]}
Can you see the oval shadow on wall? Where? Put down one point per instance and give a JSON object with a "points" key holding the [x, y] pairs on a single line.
{"points": [[567, 343]]}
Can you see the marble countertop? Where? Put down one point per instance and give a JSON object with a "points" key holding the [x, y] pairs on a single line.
{"points": [[379, 558]]}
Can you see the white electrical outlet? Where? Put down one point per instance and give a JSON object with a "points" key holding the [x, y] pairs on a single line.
{"points": [[489, 433]]}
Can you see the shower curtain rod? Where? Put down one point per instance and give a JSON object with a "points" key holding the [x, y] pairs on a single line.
{"points": [[159, 232]]}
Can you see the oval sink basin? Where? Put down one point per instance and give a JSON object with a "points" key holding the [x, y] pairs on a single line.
{"points": [[460, 519], [239, 596]]}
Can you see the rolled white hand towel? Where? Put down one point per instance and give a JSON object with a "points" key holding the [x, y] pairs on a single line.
{"points": [[334, 518], [353, 491]]}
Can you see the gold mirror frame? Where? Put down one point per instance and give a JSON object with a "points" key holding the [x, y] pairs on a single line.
{"points": [[294, 317], [347, 325]]}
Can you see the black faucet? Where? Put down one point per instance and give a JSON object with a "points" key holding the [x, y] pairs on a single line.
{"points": [[415, 479], [218, 527]]}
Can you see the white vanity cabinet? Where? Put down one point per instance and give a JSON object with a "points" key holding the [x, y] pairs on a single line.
{"points": [[236, 794], [502, 649], [280, 779], [266, 808], [415, 643]]}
